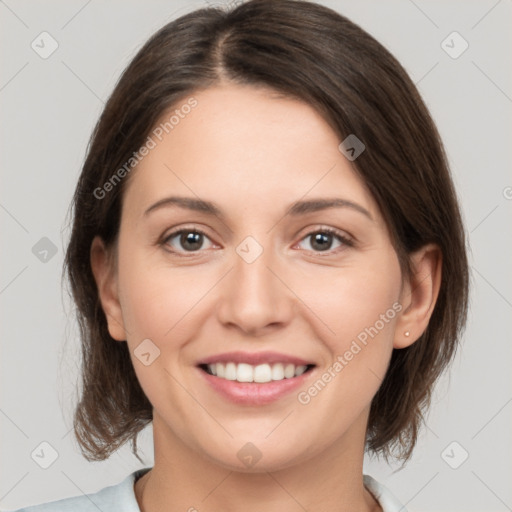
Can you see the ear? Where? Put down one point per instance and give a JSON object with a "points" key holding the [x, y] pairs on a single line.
{"points": [[105, 274], [419, 295]]}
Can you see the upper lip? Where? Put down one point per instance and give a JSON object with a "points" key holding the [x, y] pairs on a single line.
{"points": [[254, 358]]}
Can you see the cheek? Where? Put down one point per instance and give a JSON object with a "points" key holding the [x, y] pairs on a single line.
{"points": [[350, 302], [155, 293], [152, 297], [154, 303]]}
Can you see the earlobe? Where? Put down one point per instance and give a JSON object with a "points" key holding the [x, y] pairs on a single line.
{"points": [[419, 296], [104, 272]]}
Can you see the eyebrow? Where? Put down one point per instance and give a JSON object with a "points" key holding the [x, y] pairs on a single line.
{"points": [[295, 209]]}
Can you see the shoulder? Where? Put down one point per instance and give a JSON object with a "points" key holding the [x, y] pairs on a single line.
{"points": [[114, 498], [383, 495]]}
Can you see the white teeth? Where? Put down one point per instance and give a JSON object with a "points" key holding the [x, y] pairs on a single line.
{"points": [[300, 370], [289, 371], [230, 372], [244, 373], [262, 373], [277, 372]]}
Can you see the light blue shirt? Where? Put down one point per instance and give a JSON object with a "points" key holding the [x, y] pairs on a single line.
{"points": [[121, 498]]}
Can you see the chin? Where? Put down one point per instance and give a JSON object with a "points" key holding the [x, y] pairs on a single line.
{"points": [[255, 457]]}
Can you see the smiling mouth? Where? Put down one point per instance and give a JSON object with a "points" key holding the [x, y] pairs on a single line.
{"points": [[261, 373]]}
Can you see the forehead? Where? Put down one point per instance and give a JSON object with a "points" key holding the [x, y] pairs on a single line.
{"points": [[247, 147]]}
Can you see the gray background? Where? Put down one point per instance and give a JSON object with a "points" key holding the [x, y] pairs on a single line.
{"points": [[49, 107]]}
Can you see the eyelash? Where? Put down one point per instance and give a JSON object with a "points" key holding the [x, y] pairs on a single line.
{"points": [[331, 231]]}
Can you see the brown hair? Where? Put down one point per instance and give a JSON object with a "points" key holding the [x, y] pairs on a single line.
{"points": [[309, 52]]}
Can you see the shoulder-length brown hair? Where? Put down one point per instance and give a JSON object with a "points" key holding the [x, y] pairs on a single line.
{"points": [[308, 52]]}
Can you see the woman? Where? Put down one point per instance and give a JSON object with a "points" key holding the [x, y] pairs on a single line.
{"points": [[268, 262]]}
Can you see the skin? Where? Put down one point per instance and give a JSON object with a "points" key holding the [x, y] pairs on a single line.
{"points": [[253, 154]]}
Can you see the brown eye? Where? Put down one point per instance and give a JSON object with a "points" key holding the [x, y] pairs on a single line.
{"points": [[322, 240], [186, 240]]}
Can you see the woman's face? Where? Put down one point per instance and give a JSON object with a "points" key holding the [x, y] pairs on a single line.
{"points": [[262, 281]]}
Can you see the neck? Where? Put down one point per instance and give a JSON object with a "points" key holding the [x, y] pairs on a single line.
{"points": [[184, 480]]}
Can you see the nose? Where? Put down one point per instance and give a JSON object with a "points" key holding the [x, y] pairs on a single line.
{"points": [[254, 296]]}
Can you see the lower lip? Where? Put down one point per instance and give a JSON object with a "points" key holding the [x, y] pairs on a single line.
{"points": [[254, 393]]}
